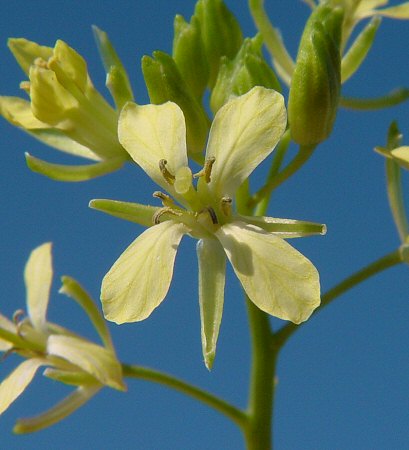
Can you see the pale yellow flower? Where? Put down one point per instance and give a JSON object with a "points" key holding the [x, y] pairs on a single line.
{"points": [[64, 111], [275, 276], [68, 357]]}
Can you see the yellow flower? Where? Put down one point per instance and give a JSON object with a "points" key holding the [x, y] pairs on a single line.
{"points": [[65, 111], [275, 276], [68, 357]]}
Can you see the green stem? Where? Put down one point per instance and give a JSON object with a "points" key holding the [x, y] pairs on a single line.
{"points": [[381, 264], [303, 155], [386, 101], [272, 40], [258, 431], [144, 373]]}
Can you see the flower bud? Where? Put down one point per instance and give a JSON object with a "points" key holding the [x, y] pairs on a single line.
{"points": [[237, 76], [221, 33], [165, 83], [189, 54], [316, 81]]}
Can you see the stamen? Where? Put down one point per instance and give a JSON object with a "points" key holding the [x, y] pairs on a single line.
{"points": [[17, 316], [207, 169], [25, 86], [226, 203], [166, 199], [156, 217], [211, 212], [165, 172], [40, 62]]}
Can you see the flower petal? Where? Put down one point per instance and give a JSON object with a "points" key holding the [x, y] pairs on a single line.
{"points": [[244, 132], [276, 277], [139, 280], [59, 412], [26, 52], [394, 12], [98, 361], [212, 274], [15, 384], [401, 155], [38, 276], [151, 133]]}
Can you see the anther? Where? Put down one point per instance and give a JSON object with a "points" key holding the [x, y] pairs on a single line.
{"points": [[226, 203], [25, 86], [158, 214], [40, 62], [207, 170], [166, 199], [17, 316], [165, 172]]}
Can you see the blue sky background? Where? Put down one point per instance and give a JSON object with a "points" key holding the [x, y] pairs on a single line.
{"points": [[343, 378]]}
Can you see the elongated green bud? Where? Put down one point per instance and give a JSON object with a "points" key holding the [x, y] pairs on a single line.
{"points": [[237, 76], [316, 81], [165, 83], [221, 33], [190, 55]]}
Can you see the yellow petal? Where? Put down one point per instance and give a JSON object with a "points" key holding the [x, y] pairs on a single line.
{"points": [[139, 280], [151, 133], [276, 277], [15, 384], [38, 275], [50, 102], [98, 361], [244, 132], [212, 274], [26, 52]]}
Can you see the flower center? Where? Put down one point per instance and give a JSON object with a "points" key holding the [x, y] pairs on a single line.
{"points": [[202, 217]]}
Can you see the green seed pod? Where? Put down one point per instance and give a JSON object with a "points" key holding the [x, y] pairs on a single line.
{"points": [[221, 33], [165, 83], [237, 76], [316, 81], [190, 55]]}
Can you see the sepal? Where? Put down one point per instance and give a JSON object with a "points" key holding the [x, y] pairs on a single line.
{"points": [[134, 212], [117, 78], [63, 172]]}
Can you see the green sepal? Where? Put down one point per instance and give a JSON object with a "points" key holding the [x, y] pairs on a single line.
{"points": [[316, 81], [117, 80], [394, 183], [71, 288], [61, 172], [356, 54], [237, 76], [69, 377], [189, 54], [285, 228], [165, 83], [221, 33], [133, 212]]}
